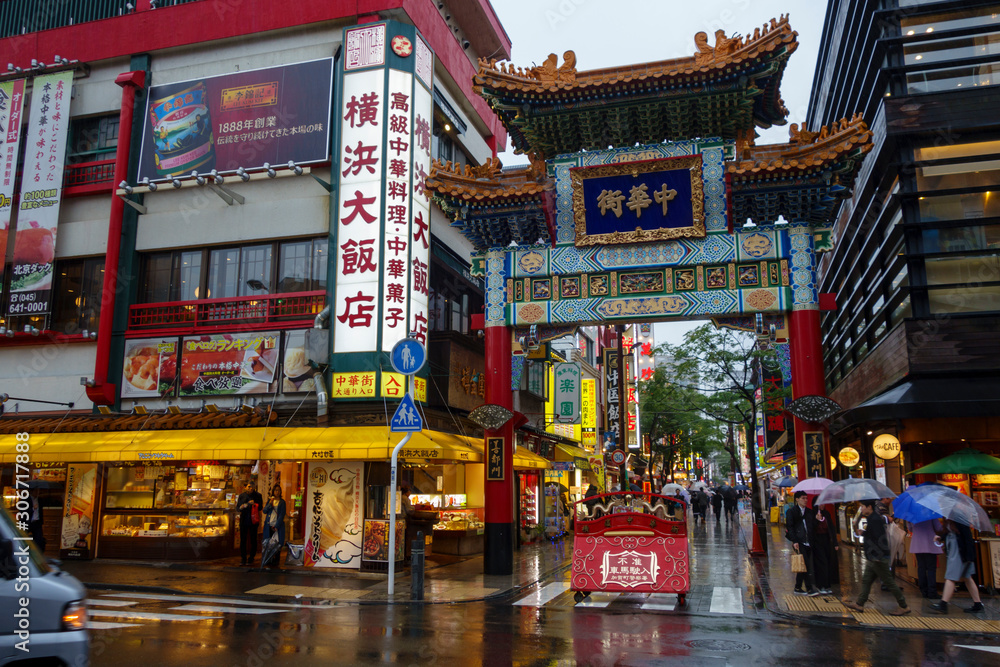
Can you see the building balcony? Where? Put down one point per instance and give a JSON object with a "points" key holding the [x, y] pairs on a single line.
{"points": [[249, 313], [88, 178]]}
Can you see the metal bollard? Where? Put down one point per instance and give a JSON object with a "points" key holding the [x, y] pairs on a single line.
{"points": [[417, 568]]}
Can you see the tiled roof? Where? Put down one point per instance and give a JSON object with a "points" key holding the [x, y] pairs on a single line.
{"points": [[488, 182], [10, 424]]}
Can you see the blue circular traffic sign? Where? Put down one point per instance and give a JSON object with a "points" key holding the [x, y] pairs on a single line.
{"points": [[408, 356], [618, 457]]}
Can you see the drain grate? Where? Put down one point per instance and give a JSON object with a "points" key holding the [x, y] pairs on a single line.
{"points": [[718, 645]]}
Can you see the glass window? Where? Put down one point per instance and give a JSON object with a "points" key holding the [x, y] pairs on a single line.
{"points": [[952, 78], [94, 138], [880, 331], [902, 278], [960, 175], [293, 266], [223, 273], [959, 207], [964, 299], [950, 151], [901, 311], [156, 288], [255, 265], [189, 283], [961, 239], [320, 265], [958, 48], [77, 295], [967, 18], [957, 269]]}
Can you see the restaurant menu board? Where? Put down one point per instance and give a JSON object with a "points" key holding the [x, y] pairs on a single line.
{"points": [[376, 542], [333, 515], [150, 367], [296, 373], [78, 510], [221, 364]]}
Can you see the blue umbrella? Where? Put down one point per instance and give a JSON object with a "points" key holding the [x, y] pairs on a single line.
{"points": [[906, 508]]}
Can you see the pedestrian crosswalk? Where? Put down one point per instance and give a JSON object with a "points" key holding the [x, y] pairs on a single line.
{"points": [[118, 610], [723, 600]]}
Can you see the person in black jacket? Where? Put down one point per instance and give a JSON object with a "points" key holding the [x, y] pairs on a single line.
{"points": [[960, 550], [799, 528], [876, 549], [248, 529], [717, 504]]}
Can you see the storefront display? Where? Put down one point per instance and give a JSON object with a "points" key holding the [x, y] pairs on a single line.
{"points": [[530, 506], [986, 492], [376, 541], [460, 532], [555, 519]]}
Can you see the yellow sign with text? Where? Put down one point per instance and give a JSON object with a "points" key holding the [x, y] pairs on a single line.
{"points": [[394, 386], [353, 385]]}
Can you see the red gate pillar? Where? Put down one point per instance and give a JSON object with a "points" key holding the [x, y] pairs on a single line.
{"points": [[806, 342], [498, 557]]}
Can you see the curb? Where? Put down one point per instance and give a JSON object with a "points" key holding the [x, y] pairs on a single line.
{"points": [[132, 588]]}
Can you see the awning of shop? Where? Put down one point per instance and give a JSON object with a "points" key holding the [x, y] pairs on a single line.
{"points": [[344, 443], [569, 452], [927, 399], [524, 459]]}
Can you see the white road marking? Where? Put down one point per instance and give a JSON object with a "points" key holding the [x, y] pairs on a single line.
{"points": [[660, 602], [544, 595], [598, 600], [202, 598], [226, 610], [988, 649], [726, 600], [107, 625], [150, 616], [91, 602]]}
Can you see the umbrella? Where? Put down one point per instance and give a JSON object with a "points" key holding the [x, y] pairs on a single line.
{"points": [[271, 548], [966, 462], [951, 504], [853, 490], [906, 508], [741, 487], [787, 481], [813, 485], [697, 485]]}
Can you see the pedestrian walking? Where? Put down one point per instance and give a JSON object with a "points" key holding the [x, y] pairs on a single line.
{"points": [[717, 504], [36, 521], [274, 524], [729, 500], [697, 509], [876, 550], [249, 520], [798, 530], [960, 556], [925, 549], [823, 541]]}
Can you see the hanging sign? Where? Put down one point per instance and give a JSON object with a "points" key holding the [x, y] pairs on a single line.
{"points": [[494, 459], [41, 193], [849, 457], [11, 107], [567, 392], [886, 446], [814, 453]]}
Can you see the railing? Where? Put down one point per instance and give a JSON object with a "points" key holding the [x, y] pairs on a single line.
{"points": [[18, 17], [244, 313], [89, 177]]}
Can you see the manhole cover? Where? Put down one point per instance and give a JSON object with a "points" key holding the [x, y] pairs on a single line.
{"points": [[718, 645]]}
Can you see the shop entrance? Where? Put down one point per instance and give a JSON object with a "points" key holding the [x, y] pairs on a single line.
{"points": [[660, 230]]}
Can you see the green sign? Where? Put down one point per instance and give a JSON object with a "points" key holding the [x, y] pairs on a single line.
{"points": [[567, 392]]}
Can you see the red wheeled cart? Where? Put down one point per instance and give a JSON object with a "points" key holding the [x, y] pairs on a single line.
{"points": [[631, 542]]}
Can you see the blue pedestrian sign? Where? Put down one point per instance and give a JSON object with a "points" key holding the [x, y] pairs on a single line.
{"points": [[406, 417], [408, 356]]}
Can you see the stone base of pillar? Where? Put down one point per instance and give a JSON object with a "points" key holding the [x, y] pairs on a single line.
{"points": [[498, 557]]}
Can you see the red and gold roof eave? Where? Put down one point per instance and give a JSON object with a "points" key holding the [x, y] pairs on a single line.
{"points": [[488, 183]]}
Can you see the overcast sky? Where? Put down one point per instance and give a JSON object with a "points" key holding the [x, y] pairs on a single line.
{"points": [[610, 33]]}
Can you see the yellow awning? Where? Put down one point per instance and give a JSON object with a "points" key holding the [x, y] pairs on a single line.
{"points": [[523, 458], [570, 452], [302, 443]]}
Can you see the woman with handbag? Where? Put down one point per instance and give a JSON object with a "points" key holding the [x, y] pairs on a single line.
{"points": [[799, 527], [960, 550], [274, 525]]}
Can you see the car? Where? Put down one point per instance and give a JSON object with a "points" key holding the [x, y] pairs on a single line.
{"points": [[45, 611]]}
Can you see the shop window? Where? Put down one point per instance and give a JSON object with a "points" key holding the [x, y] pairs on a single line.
{"points": [[953, 78], [92, 139], [961, 239], [957, 48], [952, 151], [953, 270], [255, 265], [931, 23], [172, 276], [223, 273], [964, 299], [76, 295], [960, 175]]}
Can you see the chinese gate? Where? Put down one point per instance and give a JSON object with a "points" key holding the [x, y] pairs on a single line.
{"points": [[689, 219]]}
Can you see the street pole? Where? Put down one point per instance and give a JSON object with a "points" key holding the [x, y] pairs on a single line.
{"points": [[392, 499], [622, 408]]}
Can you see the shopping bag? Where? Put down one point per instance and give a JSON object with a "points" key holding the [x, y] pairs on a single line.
{"points": [[295, 554], [798, 563]]}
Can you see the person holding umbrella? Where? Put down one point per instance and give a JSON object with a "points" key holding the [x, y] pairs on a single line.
{"points": [[876, 549], [800, 520], [274, 524], [717, 503], [961, 555]]}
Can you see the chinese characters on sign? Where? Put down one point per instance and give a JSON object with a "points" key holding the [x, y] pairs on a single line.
{"points": [[399, 274], [567, 392], [11, 107], [612, 396], [588, 414], [815, 459], [495, 459], [629, 569], [41, 194], [364, 47], [228, 363]]}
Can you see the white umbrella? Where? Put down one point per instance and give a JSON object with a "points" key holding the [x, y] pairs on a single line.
{"points": [[697, 485], [853, 490], [670, 489]]}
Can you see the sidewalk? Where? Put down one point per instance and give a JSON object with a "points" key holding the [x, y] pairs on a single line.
{"points": [[776, 582], [446, 579]]}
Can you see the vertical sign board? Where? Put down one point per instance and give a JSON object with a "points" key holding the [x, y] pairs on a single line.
{"points": [[494, 459], [588, 409], [382, 243], [11, 106], [41, 193], [814, 454], [612, 397], [567, 392]]}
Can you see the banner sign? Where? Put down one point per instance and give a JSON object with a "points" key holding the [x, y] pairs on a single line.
{"points": [[221, 364], [588, 413], [78, 511], [150, 368], [494, 459], [376, 542], [237, 120], [41, 193], [11, 108], [334, 505], [567, 392], [382, 235]]}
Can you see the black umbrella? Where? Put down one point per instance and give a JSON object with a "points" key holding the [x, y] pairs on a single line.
{"points": [[741, 487], [43, 484]]}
